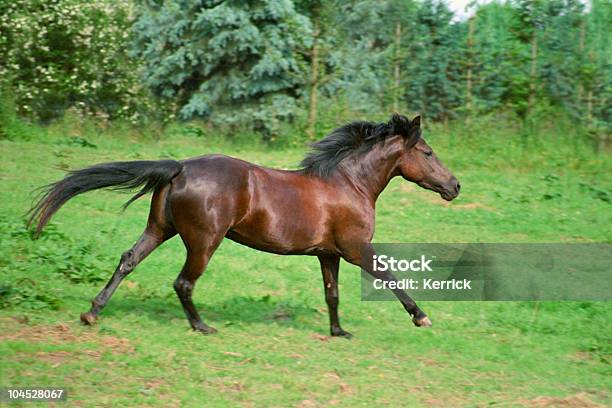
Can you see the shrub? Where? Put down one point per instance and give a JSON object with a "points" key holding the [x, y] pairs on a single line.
{"points": [[59, 54]]}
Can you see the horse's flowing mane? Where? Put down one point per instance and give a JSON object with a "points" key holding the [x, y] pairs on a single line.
{"points": [[354, 138]]}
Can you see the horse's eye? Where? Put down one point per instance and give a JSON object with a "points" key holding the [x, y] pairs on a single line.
{"points": [[429, 153]]}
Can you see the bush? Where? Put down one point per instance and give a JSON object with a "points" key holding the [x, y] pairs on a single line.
{"points": [[10, 126], [27, 295], [66, 53], [54, 253]]}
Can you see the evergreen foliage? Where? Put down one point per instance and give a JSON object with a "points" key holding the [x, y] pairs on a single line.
{"points": [[231, 61], [262, 63]]}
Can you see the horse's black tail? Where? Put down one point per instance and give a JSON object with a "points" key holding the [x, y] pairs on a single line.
{"points": [[151, 175]]}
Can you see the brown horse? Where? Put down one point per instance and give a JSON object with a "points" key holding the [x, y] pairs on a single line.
{"points": [[325, 209]]}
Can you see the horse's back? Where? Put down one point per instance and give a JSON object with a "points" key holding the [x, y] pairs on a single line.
{"points": [[278, 211]]}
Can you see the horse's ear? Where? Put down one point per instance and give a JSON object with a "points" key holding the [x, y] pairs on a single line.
{"points": [[414, 132]]}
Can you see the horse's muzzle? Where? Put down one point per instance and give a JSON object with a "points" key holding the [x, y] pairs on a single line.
{"points": [[451, 190]]}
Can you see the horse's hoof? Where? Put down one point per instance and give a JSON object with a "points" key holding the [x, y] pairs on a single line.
{"points": [[88, 318], [422, 322], [342, 333], [206, 330]]}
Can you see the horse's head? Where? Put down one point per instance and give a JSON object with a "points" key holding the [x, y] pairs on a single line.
{"points": [[418, 162]]}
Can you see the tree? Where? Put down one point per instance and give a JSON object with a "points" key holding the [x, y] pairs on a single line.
{"points": [[469, 74], [234, 62], [492, 59], [596, 72], [522, 83], [321, 14], [561, 53], [371, 56], [435, 80]]}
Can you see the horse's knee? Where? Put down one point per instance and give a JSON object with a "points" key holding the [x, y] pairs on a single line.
{"points": [[126, 257], [183, 288], [127, 263]]}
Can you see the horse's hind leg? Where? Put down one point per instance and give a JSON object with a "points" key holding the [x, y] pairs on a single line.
{"points": [[148, 241], [199, 252], [159, 229]]}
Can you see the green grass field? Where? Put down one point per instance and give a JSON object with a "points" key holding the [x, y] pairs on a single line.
{"points": [[272, 348]]}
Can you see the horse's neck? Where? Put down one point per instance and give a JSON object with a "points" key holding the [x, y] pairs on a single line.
{"points": [[371, 172]]}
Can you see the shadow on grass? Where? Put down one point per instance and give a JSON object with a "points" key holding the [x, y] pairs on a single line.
{"points": [[238, 309]]}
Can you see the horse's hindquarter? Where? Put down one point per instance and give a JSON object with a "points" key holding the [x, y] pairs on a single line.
{"points": [[209, 195]]}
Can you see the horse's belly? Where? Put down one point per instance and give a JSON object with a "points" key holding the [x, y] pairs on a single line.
{"points": [[283, 235], [279, 248]]}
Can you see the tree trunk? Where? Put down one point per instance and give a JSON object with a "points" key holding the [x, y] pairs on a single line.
{"points": [[589, 113], [533, 74], [580, 94], [468, 79], [396, 67], [314, 83], [599, 138]]}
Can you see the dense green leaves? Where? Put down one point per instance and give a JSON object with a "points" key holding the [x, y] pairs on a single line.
{"points": [[60, 54], [261, 63], [230, 61], [434, 79]]}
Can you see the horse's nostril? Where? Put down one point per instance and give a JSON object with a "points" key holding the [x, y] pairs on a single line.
{"points": [[458, 187]]}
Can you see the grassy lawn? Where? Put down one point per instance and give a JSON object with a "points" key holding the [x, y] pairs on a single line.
{"points": [[272, 348]]}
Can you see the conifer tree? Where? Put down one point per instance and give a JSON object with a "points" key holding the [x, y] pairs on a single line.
{"points": [[232, 61], [372, 63], [434, 86]]}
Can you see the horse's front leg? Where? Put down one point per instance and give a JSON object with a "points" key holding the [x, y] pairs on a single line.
{"points": [[329, 269], [355, 254]]}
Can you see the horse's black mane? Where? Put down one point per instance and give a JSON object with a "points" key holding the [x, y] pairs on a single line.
{"points": [[353, 138]]}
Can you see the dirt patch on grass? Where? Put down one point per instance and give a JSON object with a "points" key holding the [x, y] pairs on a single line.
{"points": [[55, 358], [574, 401], [61, 333], [226, 385], [581, 356], [116, 345], [447, 401]]}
